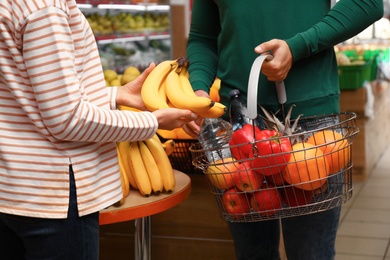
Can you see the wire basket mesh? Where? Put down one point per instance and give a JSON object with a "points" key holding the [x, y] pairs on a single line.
{"points": [[314, 175], [180, 158]]}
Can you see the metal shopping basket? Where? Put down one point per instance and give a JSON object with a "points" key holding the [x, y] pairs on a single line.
{"points": [[314, 175]]}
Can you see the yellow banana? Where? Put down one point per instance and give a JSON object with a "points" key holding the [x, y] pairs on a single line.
{"points": [[214, 90], [149, 90], [181, 134], [185, 82], [169, 146], [123, 148], [122, 200], [124, 179], [151, 168], [167, 134], [139, 170], [171, 105], [129, 108], [163, 163], [132, 180], [187, 88], [162, 91], [155, 137], [216, 84], [181, 100], [126, 185], [216, 111]]}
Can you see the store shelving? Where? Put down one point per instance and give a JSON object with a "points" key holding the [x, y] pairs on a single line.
{"points": [[129, 33]]}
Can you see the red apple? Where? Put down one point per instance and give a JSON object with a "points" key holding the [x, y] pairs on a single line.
{"points": [[275, 179], [267, 200], [235, 203], [245, 179], [293, 196], [219, 173]]}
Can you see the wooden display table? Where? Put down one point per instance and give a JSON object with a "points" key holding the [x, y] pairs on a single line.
{"points": [[139, 208]]}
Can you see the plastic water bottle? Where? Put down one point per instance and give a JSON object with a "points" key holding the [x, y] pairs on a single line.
{"points": [[238, 112], [214, 137]]}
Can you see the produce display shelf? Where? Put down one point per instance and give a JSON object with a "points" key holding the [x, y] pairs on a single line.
{"points": [[133, 36]]}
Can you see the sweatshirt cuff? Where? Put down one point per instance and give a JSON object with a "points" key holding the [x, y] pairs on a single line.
{"points": [[298, 47]]}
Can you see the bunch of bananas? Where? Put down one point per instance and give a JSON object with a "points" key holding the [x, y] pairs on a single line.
{"points": [[168, 85], [145, 166]]}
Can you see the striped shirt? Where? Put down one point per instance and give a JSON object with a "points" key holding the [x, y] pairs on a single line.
{"points": [[56, 111]]}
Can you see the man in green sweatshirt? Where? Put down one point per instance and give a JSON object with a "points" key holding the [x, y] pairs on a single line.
{"points": [[225, 38]]}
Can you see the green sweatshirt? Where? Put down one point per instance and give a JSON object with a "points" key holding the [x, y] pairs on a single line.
{"points": [[224, 33]]}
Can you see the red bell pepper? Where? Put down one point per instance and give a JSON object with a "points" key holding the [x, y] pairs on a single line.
{"points": [[272, 153], [242, 141]]}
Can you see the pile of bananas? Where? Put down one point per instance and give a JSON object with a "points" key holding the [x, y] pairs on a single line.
{"points": [[145, 166], [168, 85]]}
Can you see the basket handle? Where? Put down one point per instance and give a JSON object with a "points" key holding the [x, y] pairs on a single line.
{"points": [[253, 82]]}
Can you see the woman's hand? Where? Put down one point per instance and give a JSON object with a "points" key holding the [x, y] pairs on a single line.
{"points": [[130, 94], [171, 118], [278, 68]]}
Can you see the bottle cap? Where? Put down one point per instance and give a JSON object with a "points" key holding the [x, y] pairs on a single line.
{"points": [[234, 92]]}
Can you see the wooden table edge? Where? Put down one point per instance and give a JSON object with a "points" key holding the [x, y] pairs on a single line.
{"points": [[161, 203]]}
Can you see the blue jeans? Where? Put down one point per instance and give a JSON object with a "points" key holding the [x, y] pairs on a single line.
{"points": [[39, 238], [306, 237]]}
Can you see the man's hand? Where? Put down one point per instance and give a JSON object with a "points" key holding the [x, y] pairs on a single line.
{"points": [[278, 68], [192, 128]]}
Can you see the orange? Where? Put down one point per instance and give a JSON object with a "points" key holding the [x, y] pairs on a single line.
{"points": [[307, 167], [219, 173], [335, 148]]}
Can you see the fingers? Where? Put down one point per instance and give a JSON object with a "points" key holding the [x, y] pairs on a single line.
{"points": [[149, 69], [141, 78], [199, 121], [275, 71], [266, 46], [192, 129], [170, 118], [201, 93], [278, 68], [187, 115]]}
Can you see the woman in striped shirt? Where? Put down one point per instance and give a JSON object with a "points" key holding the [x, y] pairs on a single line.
{"points": [[58, 128]]}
